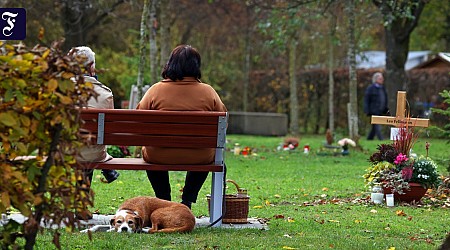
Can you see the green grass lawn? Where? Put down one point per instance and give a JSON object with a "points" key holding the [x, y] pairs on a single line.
{"points": [[310, 201]]}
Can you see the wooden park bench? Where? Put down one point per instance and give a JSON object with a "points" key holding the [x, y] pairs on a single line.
{"points": [[185, 129]]}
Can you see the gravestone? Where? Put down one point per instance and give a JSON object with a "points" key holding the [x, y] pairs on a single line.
{"points": [[257, 123], [251, 123]]}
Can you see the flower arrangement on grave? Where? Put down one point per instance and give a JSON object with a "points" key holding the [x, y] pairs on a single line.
{"points": [[394, 169], [289, 143], [344, 143]]}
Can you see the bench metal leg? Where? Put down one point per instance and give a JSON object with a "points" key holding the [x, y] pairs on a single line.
{"points": [[217, 188]]}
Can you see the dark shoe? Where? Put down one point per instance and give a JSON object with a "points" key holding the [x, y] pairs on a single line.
{"points": [[187, 204], [110, 175]]}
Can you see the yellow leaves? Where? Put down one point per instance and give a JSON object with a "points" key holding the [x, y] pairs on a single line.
{"points": [[391, 248], [45, 54], [66, 86], [52, 85], [67, 75], [6, 202], [25, 121], [56, 120], [66, 100], [373, 211], [6, 146], [258, 207], [37, 200], [400, 213], [8, 119], [36, 95], [290, 248], [28, 56], [358, 221]]}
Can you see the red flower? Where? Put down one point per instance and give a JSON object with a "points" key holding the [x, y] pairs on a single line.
{"points": [[407, 173]]}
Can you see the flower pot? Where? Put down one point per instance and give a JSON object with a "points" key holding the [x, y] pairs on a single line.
{"points": [[415, 193]]}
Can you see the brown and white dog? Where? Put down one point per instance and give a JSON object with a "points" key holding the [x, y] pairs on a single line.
{"points": [[160, 215]]}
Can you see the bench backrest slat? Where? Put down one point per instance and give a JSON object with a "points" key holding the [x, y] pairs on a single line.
{"points": [[160, 141], [187, 129]]}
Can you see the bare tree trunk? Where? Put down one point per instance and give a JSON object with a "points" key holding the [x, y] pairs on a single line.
{"points": [[165, 32], [331, 38], [154, 69], [247, 65], [79, 17], [143, 35], [353, 106], [293, 125], [72, 18], [396, 56]]}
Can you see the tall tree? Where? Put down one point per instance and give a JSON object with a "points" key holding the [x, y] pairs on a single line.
{"points": [[165, 43], [284, 26], [247, 55], [142, 51], [292, 50], [352, 88], [79, 17], [400, 19], [152, 40], [331, 41]]}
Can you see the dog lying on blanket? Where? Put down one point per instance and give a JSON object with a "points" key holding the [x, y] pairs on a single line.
{"points": [[159, 215]]}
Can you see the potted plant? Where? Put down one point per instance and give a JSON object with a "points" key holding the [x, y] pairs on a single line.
{"points": [[406, 176]]}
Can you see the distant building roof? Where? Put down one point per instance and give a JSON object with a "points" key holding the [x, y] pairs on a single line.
{"points": [[377, 59], [441, 60]]}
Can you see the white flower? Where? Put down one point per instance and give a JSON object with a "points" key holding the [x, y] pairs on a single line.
{"points": [[346, 141]]}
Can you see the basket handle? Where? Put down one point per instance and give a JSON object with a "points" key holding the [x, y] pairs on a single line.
{"points": [[241, 191], [231, 181]]}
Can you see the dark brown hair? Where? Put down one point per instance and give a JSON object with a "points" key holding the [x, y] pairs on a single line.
{"points": [[184, 61]]}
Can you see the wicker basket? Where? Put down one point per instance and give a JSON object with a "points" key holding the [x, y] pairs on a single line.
{"points": [[236, 206]]}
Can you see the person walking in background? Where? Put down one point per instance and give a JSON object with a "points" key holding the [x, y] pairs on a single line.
{"points": [[180, 90], [104, 100], [376, 103]]}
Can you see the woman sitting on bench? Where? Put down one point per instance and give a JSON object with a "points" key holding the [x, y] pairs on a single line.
{"points": [[180, 90]]}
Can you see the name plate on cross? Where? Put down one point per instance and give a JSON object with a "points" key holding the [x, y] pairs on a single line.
{"points": [[401, 120]]}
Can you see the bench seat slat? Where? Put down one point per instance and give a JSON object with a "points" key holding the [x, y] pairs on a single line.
{"points": [[140, 164], [170, 141]]}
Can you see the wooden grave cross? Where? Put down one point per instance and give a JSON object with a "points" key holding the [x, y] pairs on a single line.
{"points": [[400, 120]]}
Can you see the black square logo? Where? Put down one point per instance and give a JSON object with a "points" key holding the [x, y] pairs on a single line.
{"points": [[13, 24]]}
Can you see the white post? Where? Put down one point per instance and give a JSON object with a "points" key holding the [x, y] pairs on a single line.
{"points": [[216, 205]]}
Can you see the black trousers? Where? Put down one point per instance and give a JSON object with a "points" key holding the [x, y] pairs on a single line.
{"points": [[375, 131], [192, 185]]}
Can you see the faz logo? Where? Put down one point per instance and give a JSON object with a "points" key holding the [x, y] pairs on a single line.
{"points": [[13, 24]]}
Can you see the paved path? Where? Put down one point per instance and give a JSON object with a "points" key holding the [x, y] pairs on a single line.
{"points": [[100, 219]]}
